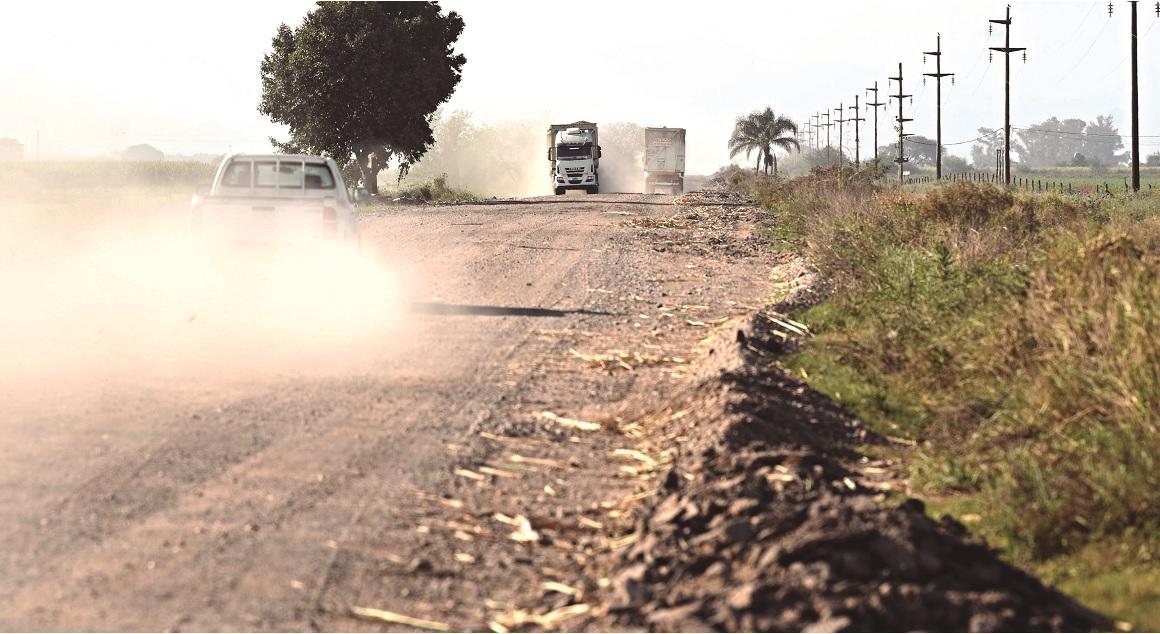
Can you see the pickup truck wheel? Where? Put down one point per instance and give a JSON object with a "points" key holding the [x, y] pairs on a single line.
{"points": [[559, 191]]}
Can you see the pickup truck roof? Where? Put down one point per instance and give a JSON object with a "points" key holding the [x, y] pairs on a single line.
{"points": [[309, 158]]}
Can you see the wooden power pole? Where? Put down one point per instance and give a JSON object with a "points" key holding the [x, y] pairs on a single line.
{"points": [[827, 125], [1136, 105], [938, 77], [857, 138], [875, 104], [841, 110], [901, 158], [1007, 49]]}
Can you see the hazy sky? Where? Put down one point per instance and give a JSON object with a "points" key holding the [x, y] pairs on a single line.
{"points": [[97, 77]]}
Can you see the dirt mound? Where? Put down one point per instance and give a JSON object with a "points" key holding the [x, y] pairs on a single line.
{"points": [[759, 527]]}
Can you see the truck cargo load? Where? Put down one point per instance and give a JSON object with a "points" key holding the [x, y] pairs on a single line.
{"points": [[664, 159]]}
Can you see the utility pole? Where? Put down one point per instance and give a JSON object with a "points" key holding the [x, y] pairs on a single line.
{"points": [[901, 158], [875, 104], [857, 139], [841, 110], [938, 77], [827, 125], [38, 144], [817, 132], [1007, 49], [1136, 105]]}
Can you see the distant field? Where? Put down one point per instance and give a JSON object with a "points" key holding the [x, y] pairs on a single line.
{"points": [[1080, 179], [81, 195], [55, 175]]}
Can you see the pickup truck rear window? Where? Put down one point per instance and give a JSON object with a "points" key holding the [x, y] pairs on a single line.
{"points": [[319, 176], [237, 174], [283, 175], [293, 175]]}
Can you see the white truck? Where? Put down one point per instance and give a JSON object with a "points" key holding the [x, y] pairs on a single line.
{"points": [[272, 199], [574, 157], [664, 159]]}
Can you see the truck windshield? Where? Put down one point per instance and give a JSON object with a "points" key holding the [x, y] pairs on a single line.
{"points": [[573, 152]]}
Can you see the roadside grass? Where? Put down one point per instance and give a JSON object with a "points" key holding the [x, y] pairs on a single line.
{"points": [[436, 191], [1012, 337]]}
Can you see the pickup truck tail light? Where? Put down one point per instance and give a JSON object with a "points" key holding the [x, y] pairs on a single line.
{"points": [[329, 222]]}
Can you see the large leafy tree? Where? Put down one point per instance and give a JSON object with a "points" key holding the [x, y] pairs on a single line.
{"points": [[991, 140], [361, 80], [763, 132], [1053, 142]]}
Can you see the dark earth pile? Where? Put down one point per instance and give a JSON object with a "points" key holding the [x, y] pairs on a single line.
{"points": [[758, 528]]}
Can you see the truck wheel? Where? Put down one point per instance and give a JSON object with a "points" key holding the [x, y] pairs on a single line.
{"points": [[559, 191], [592, 190]]}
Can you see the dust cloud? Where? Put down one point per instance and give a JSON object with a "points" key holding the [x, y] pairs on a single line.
{"points": [[93, 293], [509, 159]]}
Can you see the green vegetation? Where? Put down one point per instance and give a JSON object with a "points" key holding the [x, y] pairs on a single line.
{"points": [[436, 191], [1013, 337], [1081, 179], [763, 132], [362, 80]]}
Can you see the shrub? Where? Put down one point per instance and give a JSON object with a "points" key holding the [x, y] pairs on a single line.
{"points": [[437, 191], [970, 203]]}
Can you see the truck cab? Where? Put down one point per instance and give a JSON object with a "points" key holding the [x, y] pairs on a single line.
{"points": [[574, 157]]}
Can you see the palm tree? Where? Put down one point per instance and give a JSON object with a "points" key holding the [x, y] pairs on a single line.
{"points": [[763, 131]]}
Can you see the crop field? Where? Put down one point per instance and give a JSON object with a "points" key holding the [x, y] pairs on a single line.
{"points": [[1063, 179]]}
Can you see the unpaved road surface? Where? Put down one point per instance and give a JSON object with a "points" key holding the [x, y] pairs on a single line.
{"points": [[533, 447], [160, 503]]}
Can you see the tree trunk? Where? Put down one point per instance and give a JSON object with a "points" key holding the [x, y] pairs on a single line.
{"points": [[369, 179], [378, 164], [775, 164], [757, 168]]}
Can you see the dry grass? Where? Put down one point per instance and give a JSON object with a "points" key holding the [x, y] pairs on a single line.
{"points": [[1012, 335]]}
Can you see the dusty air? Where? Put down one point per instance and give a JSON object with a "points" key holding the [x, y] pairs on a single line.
{"points": [[443, 317]]}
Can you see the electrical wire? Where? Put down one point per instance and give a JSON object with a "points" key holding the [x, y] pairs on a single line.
{"points": [[1092, 134], [1074, 33], [1085, 53]]}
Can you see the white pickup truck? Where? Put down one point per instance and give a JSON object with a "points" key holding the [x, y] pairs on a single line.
{"points": [[272, 199]]}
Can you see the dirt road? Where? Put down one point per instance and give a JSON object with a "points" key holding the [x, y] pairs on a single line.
{"points": [[209, 503], [575, 420]]}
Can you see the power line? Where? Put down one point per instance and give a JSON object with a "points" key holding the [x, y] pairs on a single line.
{"points": [[901, 158], [1086, 52], [1063, 43], [974, 140], [938, 77], [1007, 49], [1069, 132]]}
